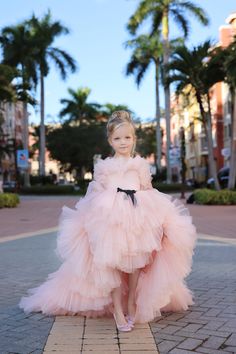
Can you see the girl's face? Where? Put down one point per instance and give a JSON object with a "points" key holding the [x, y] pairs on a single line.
{"points": [[122, 140]]}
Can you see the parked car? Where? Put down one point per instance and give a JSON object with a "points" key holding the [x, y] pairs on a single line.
{"points": [[223, 177], [9, 186]]}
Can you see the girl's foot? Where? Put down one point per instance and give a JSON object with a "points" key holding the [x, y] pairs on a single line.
{"points": [[130, 320], [130, 317], [122, 327]]}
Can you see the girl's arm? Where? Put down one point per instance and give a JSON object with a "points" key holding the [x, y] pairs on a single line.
{"points": [[145, 175], [98, 182]]}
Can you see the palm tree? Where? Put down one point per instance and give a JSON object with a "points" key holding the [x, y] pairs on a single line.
{"points": [[44, 32], [160, 11], [147, 50], [77, 109], [7, 89], [199, 69], [18, 51]]}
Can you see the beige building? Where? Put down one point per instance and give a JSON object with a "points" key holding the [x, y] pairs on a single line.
{"points": [[185, 114], [12, 128]]}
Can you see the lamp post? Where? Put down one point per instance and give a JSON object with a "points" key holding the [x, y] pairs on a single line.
{"points": [[182, 159]]}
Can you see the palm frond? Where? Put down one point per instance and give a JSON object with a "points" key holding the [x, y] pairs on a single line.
{"points": [[196, 11], [181, 21], [141, 14]]}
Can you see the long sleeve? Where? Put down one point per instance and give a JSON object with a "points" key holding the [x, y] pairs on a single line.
{"points": [[145, 175], [98, 182]]}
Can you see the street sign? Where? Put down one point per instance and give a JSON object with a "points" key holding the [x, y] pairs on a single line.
{"points": [[22, 159], [225, 152]]}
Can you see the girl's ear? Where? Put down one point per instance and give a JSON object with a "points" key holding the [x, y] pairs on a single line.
{"points": [[109, 142]]}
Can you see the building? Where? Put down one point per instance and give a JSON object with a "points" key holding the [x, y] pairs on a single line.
{"points": [[221, 102], [11, 136], [186, 114], [51, 166]]}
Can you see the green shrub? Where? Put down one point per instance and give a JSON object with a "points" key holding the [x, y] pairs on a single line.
{"points": [[172, 187], [1, 201], [9, 200], [48, 189], [213, 197], [41, 180]]}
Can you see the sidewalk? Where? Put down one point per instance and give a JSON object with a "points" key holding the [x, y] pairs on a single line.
{"points": [[209, 326], [41, 212]]}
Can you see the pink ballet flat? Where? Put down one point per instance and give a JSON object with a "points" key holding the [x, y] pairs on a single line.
{"points": [[122, 328], [130, 320]]}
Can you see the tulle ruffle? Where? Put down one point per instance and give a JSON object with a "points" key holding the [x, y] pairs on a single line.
{"points": [[107, 235]]}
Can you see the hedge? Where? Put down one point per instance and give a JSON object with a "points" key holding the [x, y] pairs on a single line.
{"points": [[9, 200], [48, 189], [81, 188], [172, 187], [213, 197]]}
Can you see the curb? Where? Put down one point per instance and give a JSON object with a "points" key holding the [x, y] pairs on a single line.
{"points": [[28, 234]]}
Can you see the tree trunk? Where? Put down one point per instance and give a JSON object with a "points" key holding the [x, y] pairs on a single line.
{"points": [[42, 129], [158, 118], [165, 33], [232, 171], [206, 118], [25, 141], [211, 160]]}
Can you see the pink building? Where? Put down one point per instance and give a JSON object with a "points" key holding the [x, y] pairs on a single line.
{"points": [[220, 98]]}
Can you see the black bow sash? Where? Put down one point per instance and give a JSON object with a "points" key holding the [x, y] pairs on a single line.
{"points": [[130, 193]]}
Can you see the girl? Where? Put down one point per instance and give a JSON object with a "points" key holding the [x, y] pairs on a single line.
{"points": [[127, 248]]}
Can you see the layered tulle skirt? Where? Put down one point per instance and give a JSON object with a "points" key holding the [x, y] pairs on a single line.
{"points": [[107, 237]]}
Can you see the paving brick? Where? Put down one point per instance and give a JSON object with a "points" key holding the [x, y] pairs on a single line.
{"points": [[231, 340], [166, 346], [230, 349], [180, 351], [192, 334], [167, 337], [212, 325], [192, 327], [136, 352], [212, 333], [190, 344], [135, 347], [214, 342], [170, 329], [211, 351], [105, 347]]}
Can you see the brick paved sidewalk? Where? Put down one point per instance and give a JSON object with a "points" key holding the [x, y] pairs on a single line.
{"points": [[33, 214], [209, 326]]}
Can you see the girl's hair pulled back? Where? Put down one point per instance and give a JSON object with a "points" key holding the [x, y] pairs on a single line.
{"points": [[117, 119]]}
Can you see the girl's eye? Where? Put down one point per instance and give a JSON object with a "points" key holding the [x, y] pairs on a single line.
{"points": [[116, 138], [128, 137]]}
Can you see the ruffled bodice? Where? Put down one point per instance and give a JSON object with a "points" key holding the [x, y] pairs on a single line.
{"points": [[130, 173]]}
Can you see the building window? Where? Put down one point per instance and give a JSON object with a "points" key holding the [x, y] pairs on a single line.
{"points": [[204, 147]]}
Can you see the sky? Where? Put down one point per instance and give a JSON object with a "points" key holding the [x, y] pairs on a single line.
{"points": [[96, 41]]}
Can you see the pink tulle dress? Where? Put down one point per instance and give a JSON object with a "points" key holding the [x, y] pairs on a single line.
{"points": [[111, 233]]}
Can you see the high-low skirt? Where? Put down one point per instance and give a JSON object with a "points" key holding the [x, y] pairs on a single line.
{"points": [[105, 238]]}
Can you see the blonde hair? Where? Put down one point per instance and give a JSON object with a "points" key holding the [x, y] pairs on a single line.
{"points": [[117, 119]]}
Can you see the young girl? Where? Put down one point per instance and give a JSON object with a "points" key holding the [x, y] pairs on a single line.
{"points": [[127, 248]]}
